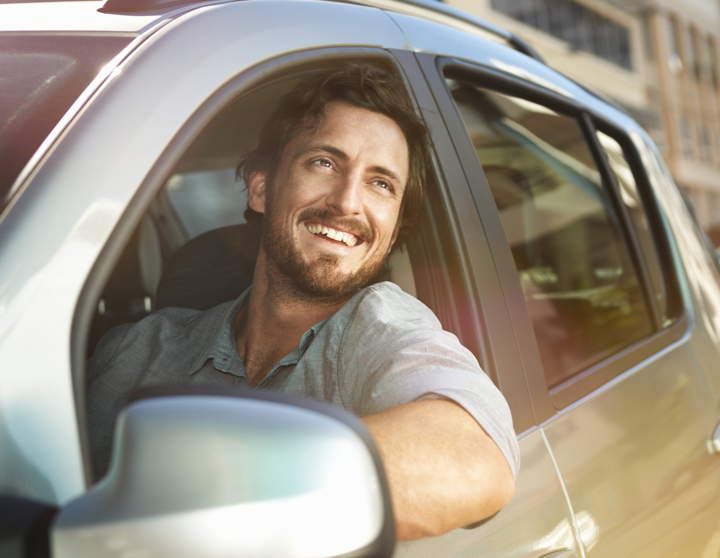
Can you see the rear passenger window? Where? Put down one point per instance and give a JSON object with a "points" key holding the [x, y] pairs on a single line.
{"points": [[636, 210], [580, 284]]}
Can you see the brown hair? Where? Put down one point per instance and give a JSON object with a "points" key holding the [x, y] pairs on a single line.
{"points": [[363, 85]]}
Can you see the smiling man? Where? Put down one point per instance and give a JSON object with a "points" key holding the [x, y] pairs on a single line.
{"points": [[334, 184]]}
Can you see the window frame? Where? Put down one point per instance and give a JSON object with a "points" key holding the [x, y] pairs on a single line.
{"points": [[547, 402], [489, 320]]}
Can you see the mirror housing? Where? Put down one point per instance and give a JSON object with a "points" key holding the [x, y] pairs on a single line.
{"points": [[214, 471]]}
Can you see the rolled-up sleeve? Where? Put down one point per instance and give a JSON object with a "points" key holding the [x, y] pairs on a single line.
{"points": [[394, 351]]}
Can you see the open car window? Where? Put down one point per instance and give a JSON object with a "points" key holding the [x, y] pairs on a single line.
{"points": [[193, 247], [41, 76]]}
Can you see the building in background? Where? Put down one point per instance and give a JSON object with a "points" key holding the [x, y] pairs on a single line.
{"points": [[656, 58]]}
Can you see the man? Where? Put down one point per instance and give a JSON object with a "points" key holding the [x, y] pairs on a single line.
{"points": [[336, 182]]}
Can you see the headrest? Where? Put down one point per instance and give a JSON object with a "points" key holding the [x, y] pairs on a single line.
{"points": [[212, 268]]}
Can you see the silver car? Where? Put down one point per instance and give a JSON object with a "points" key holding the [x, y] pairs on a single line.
{"points": [[553, 242]]}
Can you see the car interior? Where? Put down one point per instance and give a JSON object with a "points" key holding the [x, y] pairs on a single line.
{"points": [[194, 249]]}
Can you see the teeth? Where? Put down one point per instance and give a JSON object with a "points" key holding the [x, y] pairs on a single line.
{"points": [[347, 238]]}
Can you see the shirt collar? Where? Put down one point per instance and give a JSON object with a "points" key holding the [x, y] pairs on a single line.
{"points": [[222, 347]]}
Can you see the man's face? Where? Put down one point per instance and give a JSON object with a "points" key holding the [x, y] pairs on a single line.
{"points": [[332, 207]]}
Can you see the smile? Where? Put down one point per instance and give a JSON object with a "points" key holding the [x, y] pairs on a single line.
{"points": [[339, 236]]}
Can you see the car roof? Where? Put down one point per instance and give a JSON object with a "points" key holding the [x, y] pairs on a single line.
{"points": [[134, 16]]}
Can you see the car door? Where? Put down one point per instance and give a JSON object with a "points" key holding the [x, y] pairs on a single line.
{"points": [[538, 522], [595, 290], [89, 189]]}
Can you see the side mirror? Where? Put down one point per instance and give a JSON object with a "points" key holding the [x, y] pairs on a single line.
{"points": [[222, 472]]}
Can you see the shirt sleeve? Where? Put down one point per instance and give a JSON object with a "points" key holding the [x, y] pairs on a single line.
{"points": [[395, 351], [107, 388], [151, 351]]}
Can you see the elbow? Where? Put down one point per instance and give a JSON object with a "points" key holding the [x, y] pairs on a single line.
{"points": [[504, 492]]}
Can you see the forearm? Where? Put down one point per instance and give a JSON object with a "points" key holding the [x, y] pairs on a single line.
{"points": [[444, 471]]}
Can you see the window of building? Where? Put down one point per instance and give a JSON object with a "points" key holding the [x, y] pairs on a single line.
{"points": [[581, 27], [675, 55], [580, 285], [711, 61], [704, 143], [648, 38], [686, 137], [714, 209], [693, 61]]}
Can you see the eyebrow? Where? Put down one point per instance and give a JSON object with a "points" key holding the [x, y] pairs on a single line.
{"points": [[342, 155]]}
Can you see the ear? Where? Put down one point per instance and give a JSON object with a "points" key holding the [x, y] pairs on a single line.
{"points": [[257, 191], [395, 232]]}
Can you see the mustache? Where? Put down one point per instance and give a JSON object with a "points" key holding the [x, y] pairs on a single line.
{"points": [[348, 224]]}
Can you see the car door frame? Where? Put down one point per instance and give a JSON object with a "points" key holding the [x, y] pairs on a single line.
{"points": [[548, 402]]}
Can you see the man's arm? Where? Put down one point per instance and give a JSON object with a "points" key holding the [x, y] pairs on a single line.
{"points": [[444, 471]]}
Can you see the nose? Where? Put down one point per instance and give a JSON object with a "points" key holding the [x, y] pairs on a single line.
{"points": [[346, 195]]}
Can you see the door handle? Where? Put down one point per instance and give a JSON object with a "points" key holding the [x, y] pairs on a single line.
{"points": [[560, 553]]}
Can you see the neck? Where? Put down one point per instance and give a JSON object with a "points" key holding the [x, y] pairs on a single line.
{"points": [[274, 320]]}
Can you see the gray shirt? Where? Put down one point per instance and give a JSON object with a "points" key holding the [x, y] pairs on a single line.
{"points": [[383, 348]]}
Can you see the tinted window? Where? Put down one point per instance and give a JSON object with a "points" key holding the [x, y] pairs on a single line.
{"points": [[206, 200], [636, 210], [580, 285], [40, 78]]}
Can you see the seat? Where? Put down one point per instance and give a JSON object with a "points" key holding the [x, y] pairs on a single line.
{"points": [[212, 268]]}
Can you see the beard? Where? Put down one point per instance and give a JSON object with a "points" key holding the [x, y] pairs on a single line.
{"points": [[324, 277]]}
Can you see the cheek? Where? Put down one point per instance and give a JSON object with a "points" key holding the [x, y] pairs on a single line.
{"points": [[388, 222]]}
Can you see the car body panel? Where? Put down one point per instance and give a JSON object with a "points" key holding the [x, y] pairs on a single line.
{"points": [[645, 470]]}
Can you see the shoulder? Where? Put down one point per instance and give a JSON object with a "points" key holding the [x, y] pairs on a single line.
{"points": [[159, 331], [387, 305], [383, 323]]}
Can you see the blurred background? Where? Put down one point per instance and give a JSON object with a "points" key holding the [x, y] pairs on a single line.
{"points": [[658, 59]]}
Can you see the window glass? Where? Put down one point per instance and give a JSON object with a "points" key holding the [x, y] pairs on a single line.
{"points": [[40, 78], [675, 58], [580, 26], [580, 286], [648, 37], [686, 137], [692, 54], [207, 200], [711, 61], [631, 199]]}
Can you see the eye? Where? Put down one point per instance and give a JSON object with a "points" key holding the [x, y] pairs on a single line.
{"points": [[323, 163], [384, 184]]}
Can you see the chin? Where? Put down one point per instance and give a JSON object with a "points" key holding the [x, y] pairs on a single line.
{"points": [[321, 278]]}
